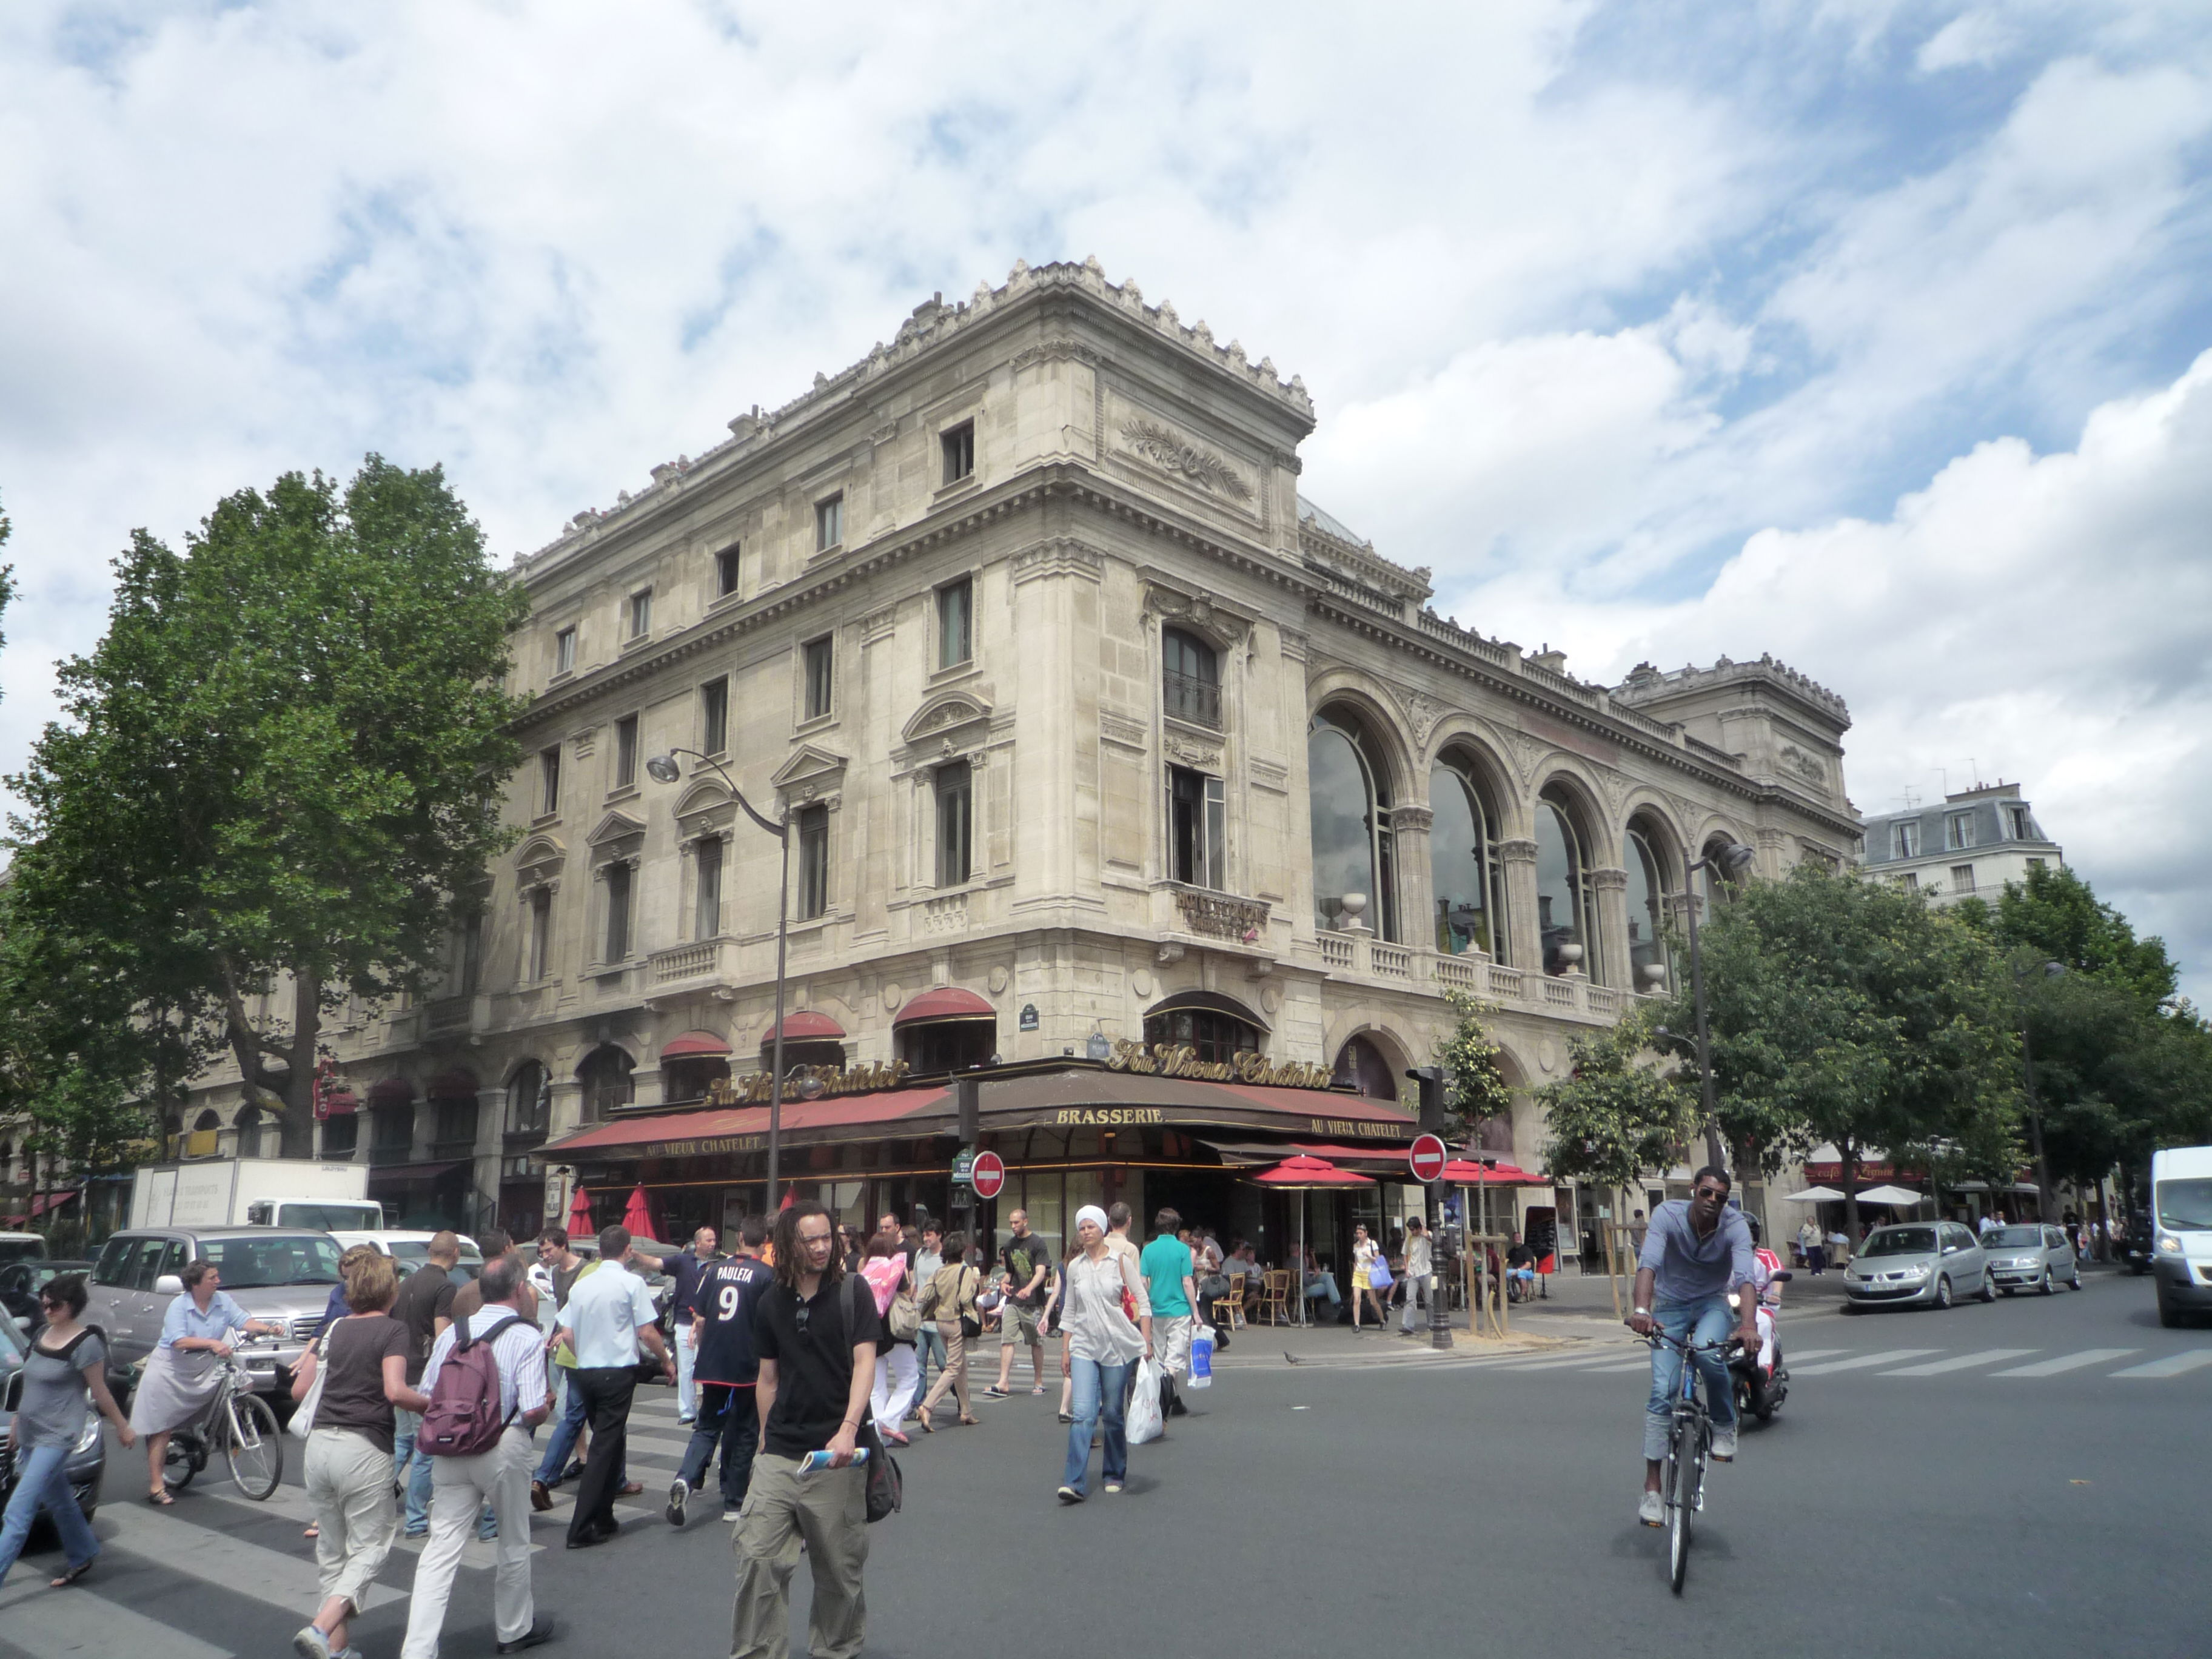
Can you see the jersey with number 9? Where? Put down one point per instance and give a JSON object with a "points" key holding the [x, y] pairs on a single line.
{"points": [[727, 1293]]}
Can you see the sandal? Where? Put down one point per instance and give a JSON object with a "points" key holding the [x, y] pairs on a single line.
{"points": [[70, 1576], [1038, 1389], [997, 1393], [313, 1532], [159, 1499], [969, 1422], [927, 1427]]}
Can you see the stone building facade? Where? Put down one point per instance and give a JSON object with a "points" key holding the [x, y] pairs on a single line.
{"points": [[1088, 726]]}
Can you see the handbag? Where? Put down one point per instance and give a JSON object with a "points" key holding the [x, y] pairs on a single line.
{"points": [[1378, 1274], [903, 1321], [303, 1416]]}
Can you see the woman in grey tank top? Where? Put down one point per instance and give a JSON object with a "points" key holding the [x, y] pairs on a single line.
{"points": [[65, 1370]]}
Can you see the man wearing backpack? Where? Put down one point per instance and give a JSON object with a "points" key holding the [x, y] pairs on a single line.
{"points": [[609, 1313], [486, 1382], [815, 1335]]}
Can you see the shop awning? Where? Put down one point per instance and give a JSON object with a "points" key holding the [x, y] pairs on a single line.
{"points": [[806, 1026], [391, 1091], [945, 1002], [694, 1044], [455, 1084], [1236, 1153], [40, 1205], [409, 1175]]}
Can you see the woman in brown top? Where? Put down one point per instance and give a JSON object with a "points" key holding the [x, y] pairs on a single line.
{"points": [[948, 1298], [349, 1473]]}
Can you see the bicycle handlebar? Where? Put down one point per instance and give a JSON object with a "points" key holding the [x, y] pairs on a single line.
{"points": [[1660, 1339]]}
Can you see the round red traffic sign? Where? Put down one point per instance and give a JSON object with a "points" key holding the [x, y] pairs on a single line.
{"points": [[1427, 1157], [989, 1174]]}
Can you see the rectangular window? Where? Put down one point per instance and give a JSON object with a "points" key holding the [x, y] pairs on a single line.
{"points": [[813, 862], [955, 823], [1198, 833], [1962, 877], [726, 572], [617, 880], [829, 523], [549, 780], [640, 613], [955, 609], [1910, 881], [1958, 832], [564, 651], [714, 715], [706, 920], [2023, 828], [2035, 864], [959, 447], [820, 665], [541, 933], [1907, 841], [626, 751]]}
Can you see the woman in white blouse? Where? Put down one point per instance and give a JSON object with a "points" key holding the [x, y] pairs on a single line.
{"points": [[1099, 1342]]}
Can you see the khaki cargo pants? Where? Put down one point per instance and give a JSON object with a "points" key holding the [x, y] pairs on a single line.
{"points": [[829, 1511]]}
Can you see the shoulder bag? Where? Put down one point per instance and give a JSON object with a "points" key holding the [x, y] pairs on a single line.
{"points": [[885, 1486]]}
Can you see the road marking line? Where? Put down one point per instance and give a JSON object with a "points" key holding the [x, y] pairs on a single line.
{"points": [[83, 1623], [1963, 1362], [215, 1557], [2067, 1361], [2173, 1365], [1860, 1361], [1792, 1358]]}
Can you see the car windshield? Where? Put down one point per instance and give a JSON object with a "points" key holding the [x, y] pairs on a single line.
{"points": [[249, 1264], [2186, 1205], [331, 1218], [2014, 1237], [1901, 1240]]}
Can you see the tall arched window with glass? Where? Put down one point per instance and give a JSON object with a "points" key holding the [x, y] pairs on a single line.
{"points": [[1463, 867], [1354, 871], [1566, 910], [1650, 880]]}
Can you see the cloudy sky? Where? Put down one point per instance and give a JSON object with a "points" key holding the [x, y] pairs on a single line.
{"points": [[1875, 335]]}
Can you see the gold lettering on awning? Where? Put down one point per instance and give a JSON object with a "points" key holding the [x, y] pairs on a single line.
{"points": [[1246, 1066]]}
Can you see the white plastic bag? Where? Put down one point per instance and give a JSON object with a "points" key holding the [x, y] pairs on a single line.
{"points": [[1145, 1424]]}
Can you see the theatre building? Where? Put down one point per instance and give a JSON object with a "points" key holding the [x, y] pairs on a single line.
{"points": [[1115, 772]]}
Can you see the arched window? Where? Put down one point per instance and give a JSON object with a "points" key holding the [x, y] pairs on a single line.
{"points": [[608, 1085], [247, 1126], [1566, 906], [1361, 1064], [529, 1101], [1349, 801], [1716, 888], [1650, 880], [1463, 867], [1190, 679], [1219, 1029]]}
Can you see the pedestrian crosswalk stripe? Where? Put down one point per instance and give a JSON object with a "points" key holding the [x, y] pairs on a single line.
{"points": [[216, 1558], [1960, 1362], [1860, 1362], [78, 1624], [2173, 1364], [2067, 1361]]}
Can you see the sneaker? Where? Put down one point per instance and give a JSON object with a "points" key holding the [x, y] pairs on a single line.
{"points": [[1069, 1495], [679, 1493], [1723, 1445], [312, 1643], [729, 1514], [1650, 1510], [686, 1422], [1112, 1485]]}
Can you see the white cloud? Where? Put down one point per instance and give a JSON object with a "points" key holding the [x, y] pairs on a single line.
{"points": [[1973, 39]]}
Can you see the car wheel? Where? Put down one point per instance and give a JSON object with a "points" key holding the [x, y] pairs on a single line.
{"points": [[2168, 1317], [2043, 1286], [1988, 1285], [2075, 1283], [1943, 1292]]}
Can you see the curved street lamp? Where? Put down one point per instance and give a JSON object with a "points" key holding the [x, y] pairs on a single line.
{"points": [[663, 769], [1732, 861]]}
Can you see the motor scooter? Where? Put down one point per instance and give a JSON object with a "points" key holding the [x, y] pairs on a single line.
{"points": [[1759, 1392]]}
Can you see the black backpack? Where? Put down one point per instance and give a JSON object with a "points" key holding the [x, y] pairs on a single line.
{"points": [[886, 1485]]}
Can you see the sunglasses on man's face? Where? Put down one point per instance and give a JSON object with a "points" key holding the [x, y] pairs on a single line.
{"points": [[1713, 1193]]}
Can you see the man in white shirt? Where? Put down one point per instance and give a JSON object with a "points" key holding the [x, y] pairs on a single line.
{"points": [[1989, 1223], [461, 1485], [1421, 1262], [608, 1315]]}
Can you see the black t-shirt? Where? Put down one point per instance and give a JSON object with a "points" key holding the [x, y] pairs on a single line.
{"points": [[727, 1294], [814, 1366], [427, 1296], [1520, 1256], [354, 1351], [1021, 1258]]}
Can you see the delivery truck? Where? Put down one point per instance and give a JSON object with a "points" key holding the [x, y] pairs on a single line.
{"points": [[255, 1192]]}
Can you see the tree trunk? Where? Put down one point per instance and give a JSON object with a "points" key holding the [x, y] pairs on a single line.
{"points": [[1851, 1192], [296, 1124]]}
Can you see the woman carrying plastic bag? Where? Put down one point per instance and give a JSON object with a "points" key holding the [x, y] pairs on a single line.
{"points": [[1101, 1335]]}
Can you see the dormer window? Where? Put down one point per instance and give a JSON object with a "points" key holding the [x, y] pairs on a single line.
{"points": [[1959, 832], [1904, 840], [1190, 679]]}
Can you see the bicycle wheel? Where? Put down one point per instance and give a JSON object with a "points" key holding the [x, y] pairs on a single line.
{"points": [[254, 1447], [1682, 1503], [177, 1467]]}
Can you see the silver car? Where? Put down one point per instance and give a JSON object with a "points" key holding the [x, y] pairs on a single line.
{"points": [[2031, 1258], [275, 1274], [1925, 1264]]}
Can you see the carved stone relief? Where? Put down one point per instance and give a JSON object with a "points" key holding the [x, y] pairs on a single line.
{"points": [[1161, 445]]}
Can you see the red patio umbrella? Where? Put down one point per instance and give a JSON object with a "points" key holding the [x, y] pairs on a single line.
{"points": [[637, 1220], [1303, 1174], [579, 1211]]}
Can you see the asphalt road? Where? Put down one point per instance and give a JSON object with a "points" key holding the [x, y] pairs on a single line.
{"points": [[2024, 1478]]}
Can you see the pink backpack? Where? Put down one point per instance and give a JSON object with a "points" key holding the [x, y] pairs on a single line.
{"points": [[464, 1418]]}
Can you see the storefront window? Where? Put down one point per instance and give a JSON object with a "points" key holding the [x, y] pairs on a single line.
{"points": [[1464, 864], [950, 1045], [1350, 821]]}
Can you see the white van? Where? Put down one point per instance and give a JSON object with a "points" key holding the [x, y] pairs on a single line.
{"points": [[2181, 1230]]}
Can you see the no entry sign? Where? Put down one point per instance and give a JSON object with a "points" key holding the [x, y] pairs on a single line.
{"points": [[1426, 1158], [989, 1173]]}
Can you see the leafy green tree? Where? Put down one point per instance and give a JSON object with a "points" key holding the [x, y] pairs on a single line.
{"points": [[281, 769], [1619, 1111], [1477, 1091], [1849, 1011], [2055, 913]]}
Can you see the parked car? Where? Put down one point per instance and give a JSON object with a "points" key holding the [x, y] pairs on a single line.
{"points": [[409, 1250], [22, 1247], [1926, 1264], [2031, 1258], [19, 1289], [275, 1274], [88, 1463]]}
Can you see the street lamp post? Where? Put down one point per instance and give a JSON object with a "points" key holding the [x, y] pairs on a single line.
{"points": [[1734, 859], [663, 769]]}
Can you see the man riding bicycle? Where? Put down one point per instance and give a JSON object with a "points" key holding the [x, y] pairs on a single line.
{"points": [[1696, 1252]]}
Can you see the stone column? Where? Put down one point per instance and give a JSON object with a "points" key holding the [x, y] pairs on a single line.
{"points": [[491, 1126], [1417, 904], [1525, 944], [1607, 958]]}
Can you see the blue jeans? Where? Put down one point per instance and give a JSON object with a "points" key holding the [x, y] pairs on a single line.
{"points": [[1707, 1321], [727, 1419], [40, 1480], [411, 1466], [928, 1341], [1099, 1391], [562, 1440]]}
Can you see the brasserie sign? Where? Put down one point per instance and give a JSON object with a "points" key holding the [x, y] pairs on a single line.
{"points": [[808, 1083], [1245, 1065]]}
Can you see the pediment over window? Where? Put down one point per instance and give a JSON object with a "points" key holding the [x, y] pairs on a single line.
{"points": [[705, 795], [616, 826], [540, 849], [944, 714], [810, 765]]}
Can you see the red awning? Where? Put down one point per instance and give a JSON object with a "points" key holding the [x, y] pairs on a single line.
{"points": [[693, 1043], [641, 1134], [341, 1102], [806, 1026], [391, 1091], [456, 1084], [945, 1002], [41, 1204], [1463, 1172]]}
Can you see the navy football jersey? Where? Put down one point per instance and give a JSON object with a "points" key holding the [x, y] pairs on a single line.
{"points": [[728, 1293]]}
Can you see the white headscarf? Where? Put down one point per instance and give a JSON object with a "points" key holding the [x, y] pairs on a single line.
{"points": [[1092, 1213]]}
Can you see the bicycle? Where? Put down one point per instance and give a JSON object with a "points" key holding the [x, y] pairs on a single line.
{"points": [[239, 1424], [1689, 1448]]}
